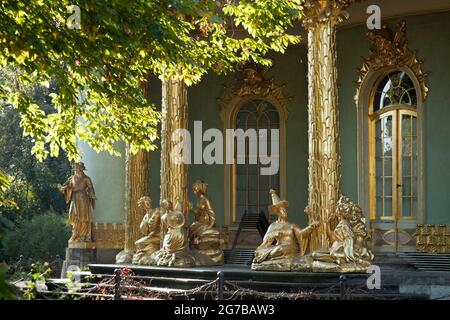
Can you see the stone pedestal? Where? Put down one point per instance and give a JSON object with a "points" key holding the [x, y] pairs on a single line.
{"points": [[80, 257]]}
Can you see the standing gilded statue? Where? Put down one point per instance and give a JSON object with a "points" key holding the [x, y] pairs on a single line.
{"points": [[79, 192]]}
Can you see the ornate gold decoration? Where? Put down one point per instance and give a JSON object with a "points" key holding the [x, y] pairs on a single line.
{"points": [[432, 239], [174, 250], [349, 251], [321, 18], [203, 234], [151, 229], [79, 192], [252, 83], [325, 11], [284, 243], [166, 243], [174, 176], [391, 51], [108, 235], [136, 186]]}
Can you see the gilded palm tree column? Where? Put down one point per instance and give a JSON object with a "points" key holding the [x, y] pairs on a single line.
{"points": [[321, 18], [137, 185], [174, 174], [137, 182]]}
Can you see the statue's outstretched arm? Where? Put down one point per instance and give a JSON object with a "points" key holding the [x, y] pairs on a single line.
{"points": [[66, 189], [66, 184]]}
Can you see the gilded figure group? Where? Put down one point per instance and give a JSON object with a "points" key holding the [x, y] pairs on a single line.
{"points": [[168, 239], [285, 244]]}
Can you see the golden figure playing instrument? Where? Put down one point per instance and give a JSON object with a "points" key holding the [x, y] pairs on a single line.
{"points": [[151, 228], [167, 242], [203, 235], [174, 250], [79, 192]]}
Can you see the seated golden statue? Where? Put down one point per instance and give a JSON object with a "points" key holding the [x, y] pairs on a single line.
{"points": [[151, 228], [203, 235], [174, 251], [361, 235], [348, 252], [283, 242]]}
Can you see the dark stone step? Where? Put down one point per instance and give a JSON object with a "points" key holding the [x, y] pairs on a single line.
{"points": [[232, 273]]}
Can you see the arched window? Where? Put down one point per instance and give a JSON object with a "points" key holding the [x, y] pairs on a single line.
{"points": [[252, 102], [394, 161], [251, 192], [394, 148], [390, 99]]}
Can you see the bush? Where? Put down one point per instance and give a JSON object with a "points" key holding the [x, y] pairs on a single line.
{"points": [[40, 238]]}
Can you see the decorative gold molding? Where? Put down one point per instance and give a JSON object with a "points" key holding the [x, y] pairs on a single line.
{"points": [[391, 51], [108, 235], [432, 239], [253, 83], [325, 11]]}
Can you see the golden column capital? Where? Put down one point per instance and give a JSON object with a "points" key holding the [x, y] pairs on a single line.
{"points": [[320, 11]]}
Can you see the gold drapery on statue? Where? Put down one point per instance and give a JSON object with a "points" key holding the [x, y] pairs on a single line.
{"points": [[166, 240], [349, 251], [284, 244], [167, 243], [151, 229], [203, 233], [79, 192]]}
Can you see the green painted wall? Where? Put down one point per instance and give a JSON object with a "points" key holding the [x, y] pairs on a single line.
{"points": [[108, 176], [203, 106]]}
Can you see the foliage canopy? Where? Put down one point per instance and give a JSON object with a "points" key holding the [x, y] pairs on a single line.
{"points": [[101, 68]]}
